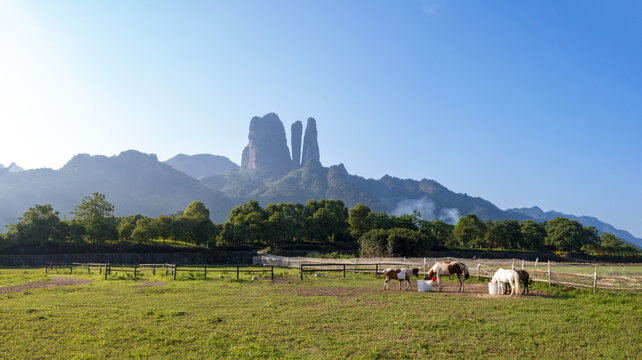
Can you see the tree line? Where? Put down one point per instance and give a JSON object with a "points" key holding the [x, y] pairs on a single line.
{"points": [[317, 221]]}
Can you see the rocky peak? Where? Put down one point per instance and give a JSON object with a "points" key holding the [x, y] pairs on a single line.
{"points": [[267, 147], [310, 144], [15, 168], [296, 131]]}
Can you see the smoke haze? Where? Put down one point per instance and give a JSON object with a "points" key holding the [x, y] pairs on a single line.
{"points": [[427, 209]]}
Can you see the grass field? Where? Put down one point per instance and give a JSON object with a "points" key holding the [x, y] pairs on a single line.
{"points": [[319, 318]]}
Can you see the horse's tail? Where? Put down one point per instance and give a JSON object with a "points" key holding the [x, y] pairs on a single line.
{"points": [[465, 270], [519, 291]]}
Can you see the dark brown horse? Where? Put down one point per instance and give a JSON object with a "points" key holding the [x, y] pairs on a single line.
{"points": [[525, 278]]}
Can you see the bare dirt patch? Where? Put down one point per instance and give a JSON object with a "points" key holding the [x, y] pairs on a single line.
{"points": [[470, 289], [56, 281], [150, 284]]}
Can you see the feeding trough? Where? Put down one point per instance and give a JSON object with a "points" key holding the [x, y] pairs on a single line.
{"points": [[424, 285], [492, 288]]}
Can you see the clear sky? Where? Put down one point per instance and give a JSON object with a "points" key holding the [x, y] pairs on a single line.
{"points": [[521, 103]]}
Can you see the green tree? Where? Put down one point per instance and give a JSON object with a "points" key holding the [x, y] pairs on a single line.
{"points": [[196, 209], [195, 226], [534, 234], [469, 231], [96, 214], [38, 227], [564, 234], [358, 220], [144, 231], [374, 243]]}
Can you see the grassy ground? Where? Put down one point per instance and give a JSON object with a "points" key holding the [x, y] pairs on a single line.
{"points": [[325, 318]]}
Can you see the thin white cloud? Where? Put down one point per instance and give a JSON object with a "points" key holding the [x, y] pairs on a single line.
{"points": [[432, 7]]}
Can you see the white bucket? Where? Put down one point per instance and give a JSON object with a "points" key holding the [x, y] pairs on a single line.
{"points": [[492, 288], [424, 285]]}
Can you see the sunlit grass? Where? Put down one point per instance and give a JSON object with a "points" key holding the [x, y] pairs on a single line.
{"points": [[328, 317]]}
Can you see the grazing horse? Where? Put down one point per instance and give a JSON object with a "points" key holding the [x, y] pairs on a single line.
{"points": [[400, 274], [510, 277], [525, 278], [449, 268]]}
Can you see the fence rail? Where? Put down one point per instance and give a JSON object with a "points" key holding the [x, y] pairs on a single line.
{"points": [[170, 269]]}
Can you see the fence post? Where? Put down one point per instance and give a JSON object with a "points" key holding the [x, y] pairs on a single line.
{"points": [[301, 271], [100, 269], [134, 271], [237, 272], [88, 268], [376, 270], [175, 272], [272, 272], [549, 274], [71, 268], [166, 269], [205, 273], [46, 267], [595, 279], [478, 266], [154, 270], [522, 264], [344, 271], [425, 266]]}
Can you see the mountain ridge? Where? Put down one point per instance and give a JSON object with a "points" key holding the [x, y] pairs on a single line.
{"points": [[136, 182]]}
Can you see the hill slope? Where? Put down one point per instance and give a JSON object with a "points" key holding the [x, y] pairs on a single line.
{"points": [[134, 182], [202, 165], [538, 214]]}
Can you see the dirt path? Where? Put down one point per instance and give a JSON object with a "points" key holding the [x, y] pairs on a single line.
{"points": [[474, 289], [146, 284], [56, 281]]}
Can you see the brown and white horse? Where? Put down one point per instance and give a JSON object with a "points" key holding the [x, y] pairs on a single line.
{"points": [[400, 274], [449, 268]]}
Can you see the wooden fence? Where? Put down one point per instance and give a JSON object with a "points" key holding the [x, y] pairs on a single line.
{"points": [[169, 269]]}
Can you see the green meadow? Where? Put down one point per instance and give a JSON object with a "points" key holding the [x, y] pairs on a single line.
{"points": [[318, 318]]}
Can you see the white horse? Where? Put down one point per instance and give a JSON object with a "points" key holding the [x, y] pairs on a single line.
{"points": [[449, 268], [510, 277]]}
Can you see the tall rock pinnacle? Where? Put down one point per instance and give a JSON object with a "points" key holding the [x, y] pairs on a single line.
{"points": [[296, 131], [310, 144], [267, 147]]}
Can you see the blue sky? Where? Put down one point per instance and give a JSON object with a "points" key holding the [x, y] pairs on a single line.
{"points": [[521, 103]]}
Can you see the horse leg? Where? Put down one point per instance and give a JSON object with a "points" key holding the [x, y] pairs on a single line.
{"points": [[399, 285], [439, 281], [385, 284]]}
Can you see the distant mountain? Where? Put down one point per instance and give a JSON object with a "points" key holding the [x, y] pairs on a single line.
{"points": [[11, 168], [15, 168], [132, 181], [538, 214], [388, 194], [262, 179], [138, 183], [202, 165]]}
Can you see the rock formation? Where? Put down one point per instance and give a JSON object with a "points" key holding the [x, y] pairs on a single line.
{"points": [[296, 131], [310, 144], [267, 147]]}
